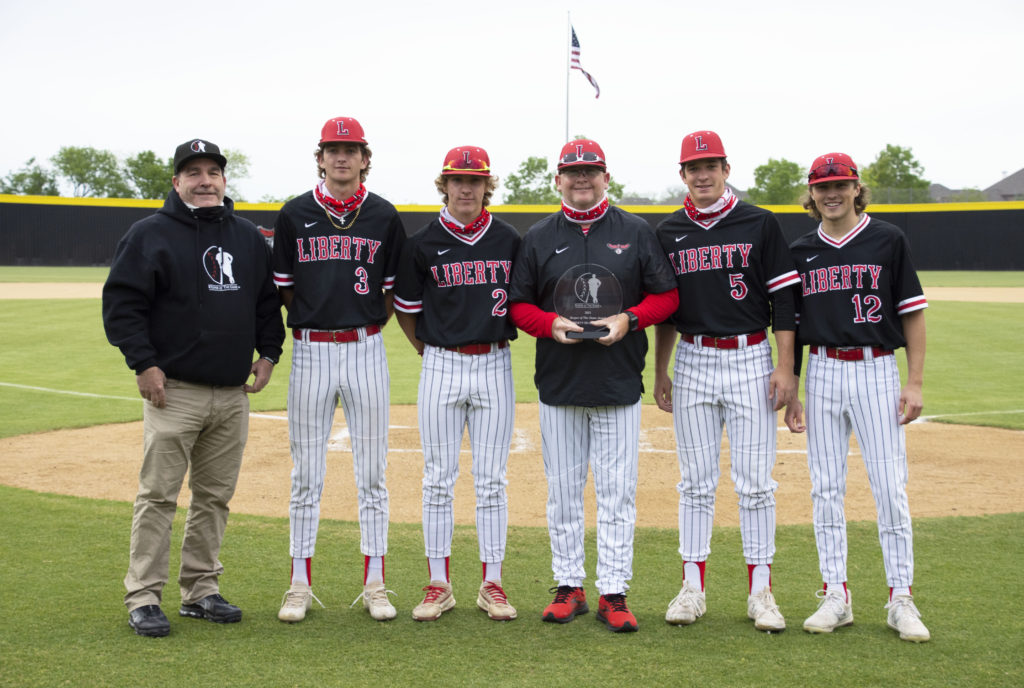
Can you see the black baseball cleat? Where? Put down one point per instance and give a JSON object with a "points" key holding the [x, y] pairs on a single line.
{"points": [[149, 621], [212, 607]]}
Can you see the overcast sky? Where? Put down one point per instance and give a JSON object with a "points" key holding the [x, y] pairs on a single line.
{"points": [[774, 79]]}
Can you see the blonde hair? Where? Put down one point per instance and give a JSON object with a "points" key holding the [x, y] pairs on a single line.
{"points": [[859, 204], [441, 184]]}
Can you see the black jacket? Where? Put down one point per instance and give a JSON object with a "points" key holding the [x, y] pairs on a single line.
{"points": [[192, 292]]}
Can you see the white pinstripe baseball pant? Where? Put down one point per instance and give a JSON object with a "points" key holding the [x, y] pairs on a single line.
{"points": [[863, 397], [716, 388], [607, 439], [356, 373], [457, 390]]}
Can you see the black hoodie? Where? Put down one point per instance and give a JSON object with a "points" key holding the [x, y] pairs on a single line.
{"points": [[191, 291]]}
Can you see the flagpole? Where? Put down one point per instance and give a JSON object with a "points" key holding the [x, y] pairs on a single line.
{"points": [[568, 70]]}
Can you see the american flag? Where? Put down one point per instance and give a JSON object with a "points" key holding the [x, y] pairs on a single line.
{"points": [[574, 62]]}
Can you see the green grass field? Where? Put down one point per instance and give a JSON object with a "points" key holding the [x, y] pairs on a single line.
{"points": [[64, 623], [63, 558]]}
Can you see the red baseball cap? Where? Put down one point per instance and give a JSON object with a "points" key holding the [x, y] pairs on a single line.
{"points": [[471, 160], [342, 129], [832, 167], [701, 144], [581, 152]]}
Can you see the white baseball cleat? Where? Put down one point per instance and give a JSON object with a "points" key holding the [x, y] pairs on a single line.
{"points": [[436, 602], [834, 610], [492, 600], [297, 602], [761, 607], [375, 600], [688, 606], [904, 617]]}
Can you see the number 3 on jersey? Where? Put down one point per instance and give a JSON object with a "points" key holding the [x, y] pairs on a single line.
{"points": [[361, 286]]}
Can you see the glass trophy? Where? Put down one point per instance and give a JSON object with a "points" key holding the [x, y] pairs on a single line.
{"points": [[586, 293]]}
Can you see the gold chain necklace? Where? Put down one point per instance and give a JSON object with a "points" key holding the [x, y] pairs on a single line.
{"points": [[349, 226]]}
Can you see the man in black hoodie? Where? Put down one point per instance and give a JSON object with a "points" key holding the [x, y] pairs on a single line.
{"points": [[189, 297]]}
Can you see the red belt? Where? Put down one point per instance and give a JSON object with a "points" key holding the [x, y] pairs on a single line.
{"points": [[337, 336], [852, 353], [474, 349], [725, 342]]}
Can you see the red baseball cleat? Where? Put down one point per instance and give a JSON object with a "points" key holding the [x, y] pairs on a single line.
{"points": [[613, 611], [567, 604]]}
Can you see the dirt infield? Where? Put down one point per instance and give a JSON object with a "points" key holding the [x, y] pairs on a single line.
{"points": [[954, 470]]}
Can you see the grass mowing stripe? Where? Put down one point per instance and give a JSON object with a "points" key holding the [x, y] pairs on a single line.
{"points": [[73, 629]]}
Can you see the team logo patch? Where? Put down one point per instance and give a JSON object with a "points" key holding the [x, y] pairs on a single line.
{"points": [[618, 248], [198, 146], [217, 263], [268, 235]]}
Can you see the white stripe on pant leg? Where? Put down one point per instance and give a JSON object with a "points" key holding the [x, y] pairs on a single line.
{"points": [[698, 421], [828, 443], [883, 446], [312, 400], [491, 415], [365, 399], [565, 446], [615, 442], [751, 426], [443, 394]]}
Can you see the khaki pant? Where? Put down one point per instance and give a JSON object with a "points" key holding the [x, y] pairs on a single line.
{"points": [[201, 430]]}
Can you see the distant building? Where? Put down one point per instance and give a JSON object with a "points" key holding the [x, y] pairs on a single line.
{"points": [[1008, 189]]}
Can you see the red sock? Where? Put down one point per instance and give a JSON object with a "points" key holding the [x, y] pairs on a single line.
{"points": [[750, 576], [700, 567]]}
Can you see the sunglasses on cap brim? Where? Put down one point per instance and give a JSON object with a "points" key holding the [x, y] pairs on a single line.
{"points": [[571, 158], [832, 169], [453, 168]]}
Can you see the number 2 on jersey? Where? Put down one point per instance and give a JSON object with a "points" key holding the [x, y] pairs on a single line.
{"points": [[499, 310]]}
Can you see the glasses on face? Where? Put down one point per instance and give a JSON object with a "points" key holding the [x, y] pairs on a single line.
{"points": [[589, 156], [581, 172], [832, 169]]}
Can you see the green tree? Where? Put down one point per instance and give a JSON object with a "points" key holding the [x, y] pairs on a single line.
{"points": [[92, 172], [531, 184], [968, 195], [150, 175], [32, 179], [777, 182], [895, 177], [237, 170]]}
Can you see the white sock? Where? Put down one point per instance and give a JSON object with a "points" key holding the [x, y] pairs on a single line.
{"points": [[691, 572], [299, 572], [760, 579], [905, 590], [374, 570], [438, 568], [492, 572]]}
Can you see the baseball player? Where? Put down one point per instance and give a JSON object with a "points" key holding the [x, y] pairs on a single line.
{"points": [[336, 253], [735, 278], [859, 300], [451, 300], [590, 388]]}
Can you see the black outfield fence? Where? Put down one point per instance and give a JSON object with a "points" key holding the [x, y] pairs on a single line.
{"points": [[36, 230]]}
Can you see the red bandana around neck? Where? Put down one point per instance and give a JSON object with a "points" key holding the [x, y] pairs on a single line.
{"points": [[709, 216], [471, 230], [586, 217], [338, 208]]}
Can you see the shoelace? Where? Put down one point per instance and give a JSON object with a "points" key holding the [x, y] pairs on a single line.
{"points": [[376, 595], [433, 592], [562, 594], [903, 605], [766, 601], [495, 592], [617, 603], [293, 598], [835, 601]]}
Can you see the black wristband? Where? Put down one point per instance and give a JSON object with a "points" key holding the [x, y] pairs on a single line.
{"points": [[634, 321]]}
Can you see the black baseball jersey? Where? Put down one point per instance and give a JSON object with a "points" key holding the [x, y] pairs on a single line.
{"points": [[589, 373], [734, 278], [339, 275], [853, 291], [457, 286]]}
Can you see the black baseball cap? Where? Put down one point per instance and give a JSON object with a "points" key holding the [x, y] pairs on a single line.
{"points": [[197, 148]]}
